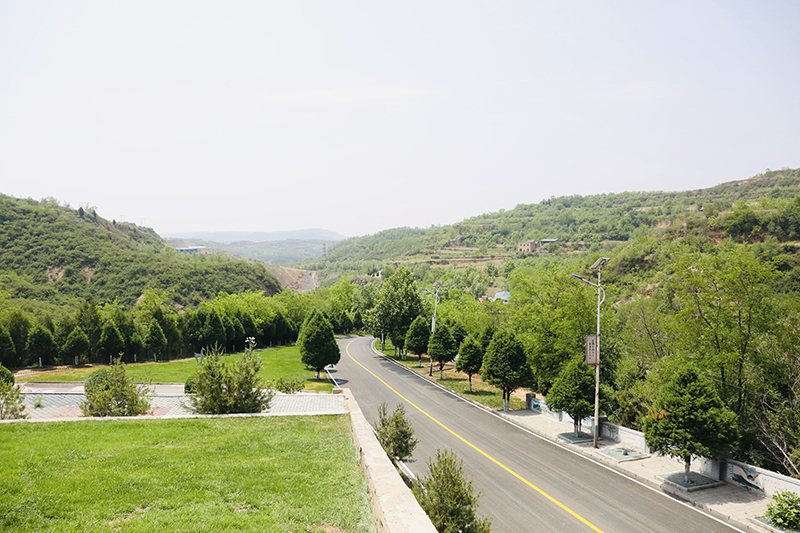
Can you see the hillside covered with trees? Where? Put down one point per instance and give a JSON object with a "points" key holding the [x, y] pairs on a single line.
{"points": [[750, 210], [703, 280], [60, 256]]}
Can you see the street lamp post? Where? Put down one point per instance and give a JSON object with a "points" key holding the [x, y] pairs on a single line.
{"points": [[433, 321], [598, 265]]}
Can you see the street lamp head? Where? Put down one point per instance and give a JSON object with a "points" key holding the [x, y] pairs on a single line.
{"points": [[577, 277], [600, 263]]}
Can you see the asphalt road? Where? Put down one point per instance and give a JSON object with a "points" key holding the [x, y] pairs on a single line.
{"points": [[527, 483]]}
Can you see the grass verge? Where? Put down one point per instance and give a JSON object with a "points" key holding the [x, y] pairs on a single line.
{"points": [[271, 474], [282, 361], [482, 393]]}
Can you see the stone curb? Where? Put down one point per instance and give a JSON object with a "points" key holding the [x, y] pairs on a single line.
{"points": [[606, 461], [395, 508]]}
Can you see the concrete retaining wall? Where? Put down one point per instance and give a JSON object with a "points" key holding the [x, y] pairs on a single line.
{"points": [[395, 507], [732, 471]]}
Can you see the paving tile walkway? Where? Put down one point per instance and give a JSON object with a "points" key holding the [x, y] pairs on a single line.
{"points": [[62, 401]]}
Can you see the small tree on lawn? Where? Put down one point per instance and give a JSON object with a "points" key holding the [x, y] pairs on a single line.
{"points": [[505, 365], [111, 341], [76, 345], [11, 401], [395, 433], [317, 344], [688, 419], [220, 388], [155, 340], [573, 392], [470, 360], [450, 500], [7, 350], [419, 333], [110, 392], [41, 344], [442, 347]]}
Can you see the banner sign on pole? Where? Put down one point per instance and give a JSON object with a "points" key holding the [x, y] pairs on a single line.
{"points": [[592, 349]]}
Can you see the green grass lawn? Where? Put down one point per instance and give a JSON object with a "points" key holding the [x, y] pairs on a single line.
{"points": [[482, 393], [270, 474], [283, 361]]}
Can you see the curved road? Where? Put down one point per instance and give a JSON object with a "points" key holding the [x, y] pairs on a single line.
{"points": [[527, 483]]}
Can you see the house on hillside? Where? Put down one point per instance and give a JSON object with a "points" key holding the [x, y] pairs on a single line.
{"points": [[532, 246], [502, 295]]}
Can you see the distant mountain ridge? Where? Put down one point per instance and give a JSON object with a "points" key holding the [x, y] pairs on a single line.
{"points": [[315, 234]]}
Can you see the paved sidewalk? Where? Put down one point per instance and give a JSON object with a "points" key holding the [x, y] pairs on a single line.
{"points": [[726, 501], [61, 401]]}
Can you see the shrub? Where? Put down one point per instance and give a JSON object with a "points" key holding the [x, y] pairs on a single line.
{"points": [[449, 499], [190, 387], [784, 512], [235, 388], [288, 385], [6, 375], [395, 433], [11, 405], [98, 380], [110, 392]]}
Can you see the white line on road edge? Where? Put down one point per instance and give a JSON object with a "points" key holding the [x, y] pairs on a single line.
{"points": [[578, 454], [330, 377], [399, 464]]}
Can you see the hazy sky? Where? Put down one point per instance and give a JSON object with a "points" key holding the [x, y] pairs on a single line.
{"points": [[357, 116]]}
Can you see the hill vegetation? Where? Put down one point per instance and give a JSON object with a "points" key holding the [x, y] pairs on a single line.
{"points": [[756, 209], [61, 256], [705, 280]]}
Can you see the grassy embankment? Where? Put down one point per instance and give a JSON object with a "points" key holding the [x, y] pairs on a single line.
{"points": [[283, 361], [482, 393], [272, 474]]}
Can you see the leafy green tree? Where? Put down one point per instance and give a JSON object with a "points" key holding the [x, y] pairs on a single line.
{"points": [[18, 325], [470, 359], [725, 306], [398, 303], [7, 351], [317, 344], [155, 340], [419, 333], [111, 341], [573, 392], [213, 331], [88, 319], [448, 498], [553, 314], [688, 418], [505, 365], [76, 345], [442, 347], [395, 433], [41, 344]]}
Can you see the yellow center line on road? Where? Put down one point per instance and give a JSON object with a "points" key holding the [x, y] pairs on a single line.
{"points": [[468, 443]]}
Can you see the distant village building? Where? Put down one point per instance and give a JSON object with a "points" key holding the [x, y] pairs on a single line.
{"points": [[502, 295], [191, 249], [532, 246]]}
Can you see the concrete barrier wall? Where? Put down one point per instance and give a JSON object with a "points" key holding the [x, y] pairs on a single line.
{"points": [[732, 471], [395, 508], [756, 478]]}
